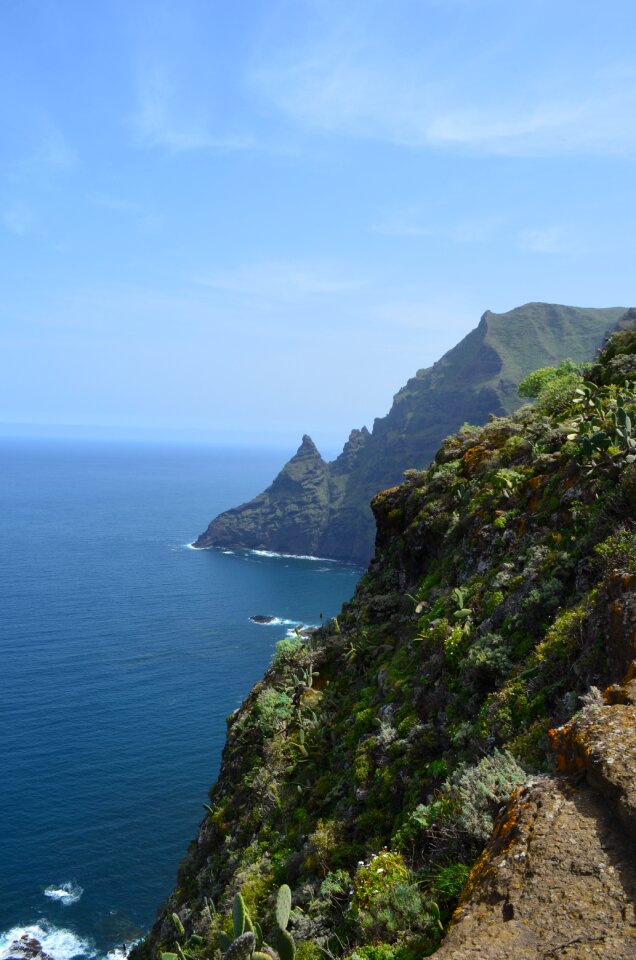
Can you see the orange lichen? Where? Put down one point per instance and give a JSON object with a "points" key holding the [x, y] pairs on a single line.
{"points": [[385, 493], [535, 482], [503, 837], [473, 457]]}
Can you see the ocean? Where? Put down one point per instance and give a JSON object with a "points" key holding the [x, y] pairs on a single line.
{"points": [[122, 651]]}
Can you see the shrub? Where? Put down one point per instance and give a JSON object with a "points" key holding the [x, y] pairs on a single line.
{"points": [[480, 791], [487, 657], [618, 551], [538, 381], [387, 902], [272, 710], [461, 819]]}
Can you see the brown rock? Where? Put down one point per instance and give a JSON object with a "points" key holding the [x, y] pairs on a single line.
{"points": [[557, 880]]}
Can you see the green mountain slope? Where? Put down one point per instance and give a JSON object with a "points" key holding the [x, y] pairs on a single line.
{"points": [[368, 768], [323, 509]]}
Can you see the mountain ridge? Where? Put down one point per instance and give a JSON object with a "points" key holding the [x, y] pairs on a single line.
{"points": [[322, 508]]}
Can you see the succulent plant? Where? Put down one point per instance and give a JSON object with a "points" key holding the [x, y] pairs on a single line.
{"points": [[284, 940], [242, 948]]}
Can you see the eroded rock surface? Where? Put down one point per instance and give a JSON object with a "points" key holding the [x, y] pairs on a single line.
{"points": [[557, 880]]}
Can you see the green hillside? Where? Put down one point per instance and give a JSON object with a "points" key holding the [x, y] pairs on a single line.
{"points": [[368, 768]]}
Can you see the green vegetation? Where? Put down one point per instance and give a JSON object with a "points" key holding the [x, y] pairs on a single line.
{"points": [[369, 765]]}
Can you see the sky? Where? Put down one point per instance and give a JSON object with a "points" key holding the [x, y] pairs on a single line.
{"points": [[242, 221]]}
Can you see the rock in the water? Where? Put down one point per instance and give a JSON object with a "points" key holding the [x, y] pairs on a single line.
{"points": [[262, 618], [26, 948]]}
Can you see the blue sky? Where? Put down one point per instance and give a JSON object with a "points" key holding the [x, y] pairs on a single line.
{"points": [[246, 220]]}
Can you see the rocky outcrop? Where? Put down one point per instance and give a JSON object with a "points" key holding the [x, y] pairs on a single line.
{"points": [[557, 880], [558, 877], [289, 517], [323, 509], [26, 947]]}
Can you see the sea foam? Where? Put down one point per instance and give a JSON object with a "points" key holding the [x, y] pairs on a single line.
{"points": [[67, 893], [290, 556], [55, 942], [275, 622]]}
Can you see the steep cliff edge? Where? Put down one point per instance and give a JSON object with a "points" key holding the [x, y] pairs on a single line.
{"points": [[370, 766], [326, 511]]}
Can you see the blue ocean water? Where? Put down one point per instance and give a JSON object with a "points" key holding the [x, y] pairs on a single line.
{"points": [[121, 653]]}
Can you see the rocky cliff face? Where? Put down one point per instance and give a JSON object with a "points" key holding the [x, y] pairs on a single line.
{"points": [[295, 506], [323, 509], [450, 765]]}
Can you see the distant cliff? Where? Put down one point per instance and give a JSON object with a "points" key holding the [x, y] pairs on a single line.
{"points": [[319, 508]]}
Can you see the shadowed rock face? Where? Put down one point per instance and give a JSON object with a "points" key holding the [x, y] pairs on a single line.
{"points": [[320, 508], [289, 517]]}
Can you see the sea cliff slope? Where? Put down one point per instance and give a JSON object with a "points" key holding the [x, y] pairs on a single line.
{"points": [[320, 508], [450, 765]]}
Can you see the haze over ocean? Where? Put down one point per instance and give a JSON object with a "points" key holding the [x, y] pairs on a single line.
{"points": [[122, 653]]}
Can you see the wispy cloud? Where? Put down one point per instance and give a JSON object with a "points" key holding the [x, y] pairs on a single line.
{"points": [[38, 154], [413, 223], [462, 102], [552, 239], [55, 150], [116, 204], [165, 116], [280, 280], [18, 219]]}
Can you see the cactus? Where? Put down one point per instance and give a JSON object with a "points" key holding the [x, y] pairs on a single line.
{"points": [[285, 944], [284, 940], [283, 906], [605, 427], [238, 915], [169, 956], [265, 952], [242, 948], [178, 925], [225, 942], [258, 933], [245, 937], [248, 935]]}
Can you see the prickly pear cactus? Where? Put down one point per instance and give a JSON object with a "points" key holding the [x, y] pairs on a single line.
{"points": [[242, 948], [283, 907], [238, 915], [285, 944], [225, 942]]}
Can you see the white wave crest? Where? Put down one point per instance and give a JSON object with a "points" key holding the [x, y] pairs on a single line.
{"points": [[67, 893], [275, 622], [290, 556], [53, 941], [118, 953], [302, 627]]}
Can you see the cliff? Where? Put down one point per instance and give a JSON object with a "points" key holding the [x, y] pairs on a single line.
{"points": [[322, 509], [438, 768]]}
